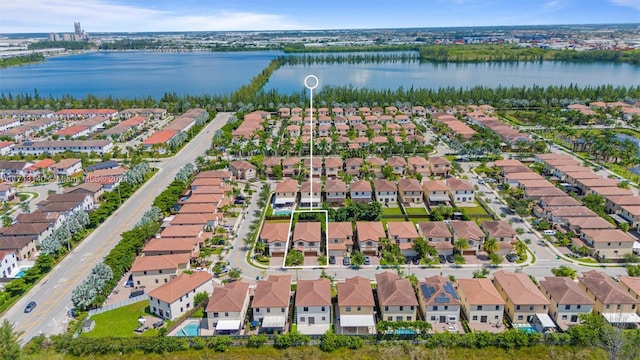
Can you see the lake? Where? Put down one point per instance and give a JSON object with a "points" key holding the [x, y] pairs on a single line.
{"points": [[141, 74]]}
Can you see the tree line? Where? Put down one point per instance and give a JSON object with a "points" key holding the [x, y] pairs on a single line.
{"points": [[21, 60]]}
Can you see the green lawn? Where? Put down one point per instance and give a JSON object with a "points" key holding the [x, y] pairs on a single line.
{"points": [[120, 322], [391, 211], [415, 211], [478, 210], [385, 221]]}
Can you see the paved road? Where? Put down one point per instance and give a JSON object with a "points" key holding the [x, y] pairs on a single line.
{"points": [[53, 293]]}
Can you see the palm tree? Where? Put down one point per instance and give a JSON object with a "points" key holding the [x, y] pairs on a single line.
{"points": [[521, 247], [461, 245], [491, 245]]}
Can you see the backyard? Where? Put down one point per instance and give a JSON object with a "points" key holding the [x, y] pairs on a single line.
{"points": [[121, 322]]}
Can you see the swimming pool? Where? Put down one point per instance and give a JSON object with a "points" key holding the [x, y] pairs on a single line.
{"points": [[192, 329], [282, 212], [526, 328], [21, 273], [405, 332]]}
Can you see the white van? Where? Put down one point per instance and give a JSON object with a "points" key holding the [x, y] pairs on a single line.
{"points": [[549, 232]]}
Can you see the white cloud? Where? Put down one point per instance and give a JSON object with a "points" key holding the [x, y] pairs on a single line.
{"points": [[634, 4], [102, 16]]}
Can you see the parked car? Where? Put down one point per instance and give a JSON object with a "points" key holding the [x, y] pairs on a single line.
{"points": [[135, 293], [442, 259], [30, 306], [512, 257], [450, 258], [332, 259], [346, 261], [367, 260]]}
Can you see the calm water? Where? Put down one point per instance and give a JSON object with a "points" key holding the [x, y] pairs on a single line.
{"points": [[430, 75], [137, 74]]}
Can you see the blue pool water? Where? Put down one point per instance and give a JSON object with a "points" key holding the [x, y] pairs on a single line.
{"points": [[527, 328], [405, 332], [20, 273], [189, 330], [281, 212]]}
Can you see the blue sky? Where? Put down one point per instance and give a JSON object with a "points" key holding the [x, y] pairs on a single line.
{"points": [[19, 16]]}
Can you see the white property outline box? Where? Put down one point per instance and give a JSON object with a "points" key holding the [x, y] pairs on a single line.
{"points": [[290, 240]]}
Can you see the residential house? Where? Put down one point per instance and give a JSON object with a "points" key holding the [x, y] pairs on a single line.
{"points": [[184, 245], [461, 190], [340, 238], [438, 235], [335, 192], [270, 163], [24, 247], [317, 166], [310, 193], [153, 271], [307, 238], [503, 233], [270, 304], [286, 194], [173, 299], [470, 231], [242, 170], [7, 192], [370, 233], [419, 165], [352, 166], [611, 244], [631, 213], [290, 166], [632, 285], [313, 306], [332, 166], [386, 191], [356, 307], [227, 308], [440, 166], [481, 302], [398, 165], [275, 236], [615, 304], [360, 191], [403, 234], [436, 192], [396, 298], [567, 300], [8, 264], [410, 191], [439, 302], [524, 302]]}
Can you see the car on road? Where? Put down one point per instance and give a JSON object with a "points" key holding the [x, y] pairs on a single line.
{"points": [[450, 258], [30, 306], [367, 260], [332, 259], [346, 261]]}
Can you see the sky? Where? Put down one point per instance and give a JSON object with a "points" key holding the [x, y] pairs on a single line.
{"points": [[44, 16]]}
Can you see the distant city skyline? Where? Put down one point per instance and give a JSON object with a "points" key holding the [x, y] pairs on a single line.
{"points": [[36, 16]]}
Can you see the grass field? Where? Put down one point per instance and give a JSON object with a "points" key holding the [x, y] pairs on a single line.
{"points": [[120, 322], [391, 211], [415, 211], [478, 210]]}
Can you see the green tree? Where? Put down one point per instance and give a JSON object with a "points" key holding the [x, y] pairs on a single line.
{"points": [[235, 273], [461, 245], [294, 258], [491, 245], [9, 343], [495, 259], [201, 298], [565, 271], [357, 258], [422, 248]]}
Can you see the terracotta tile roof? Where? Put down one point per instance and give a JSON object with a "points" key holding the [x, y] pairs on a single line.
{"points": [[287, 186], [507, 162], [273, 292], [498, 228], [290, 161], [313, 292], [71, 130], [605, 289], [229, 298], [417, 160], [594, 222], [459, 185], [375, 161], [197, 182], [479, 292], [25, 229], [396, 161], [435, 289], [305, 187], [560, 201], [434, 229], [181, 231], [624, 200], [216, 174], [38, 217], [333, 162], [608, 235], [198, 208], [66, 163], [402, 229], [272, 232], [172, 244], [409, 185], [384, 185], [241, 165], [160, 262], [565, 291], [466, 229], [439, 160], [519, 288], [393, 291], [569, 211], [544, 192], [633, 283], [90, 187], [340, 230], [194, 219], [354, 162], [370, 230], [434, 185], [360, 186], [159, 137], [335, 185], [307, 231], [179, 286], [609, 191], [355, 291]]}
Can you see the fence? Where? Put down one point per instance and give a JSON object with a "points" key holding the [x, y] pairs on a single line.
{"points": [[118, 305]]}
